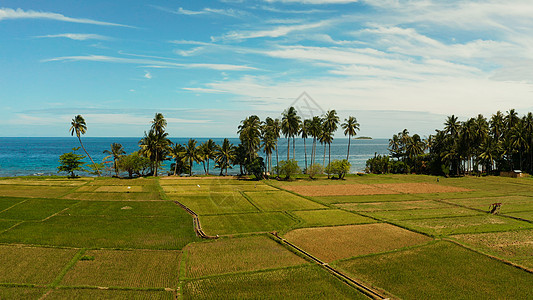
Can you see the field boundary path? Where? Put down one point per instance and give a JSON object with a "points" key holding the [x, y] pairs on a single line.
{"points": [[358, 285], [196, 221]]}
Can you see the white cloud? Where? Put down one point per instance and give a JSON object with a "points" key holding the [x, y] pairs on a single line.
{"points": [[147, 75], [150, 63], [275, 32], [181, 11], [76, 36], [9, 13], [204, 90], [314, 1]]}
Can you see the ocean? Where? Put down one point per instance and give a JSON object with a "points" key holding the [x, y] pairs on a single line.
{"points": [[39, 156]]}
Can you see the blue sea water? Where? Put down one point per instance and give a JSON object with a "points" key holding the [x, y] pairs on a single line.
{"points": [[21, 156]]}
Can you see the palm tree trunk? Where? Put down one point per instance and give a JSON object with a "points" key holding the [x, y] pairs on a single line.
{"points": [[176, 167], [98, 171], [156, 163], [208, 166], [190, 167], [115, 165], [293, 150], [324, 161], [349, 140], [329, 156], [288, 148], [305, 153], [277, 159]]}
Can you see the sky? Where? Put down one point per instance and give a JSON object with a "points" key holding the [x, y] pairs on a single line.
{"points": [[207, 65]]}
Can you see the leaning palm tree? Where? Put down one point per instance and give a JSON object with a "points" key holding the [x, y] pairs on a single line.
{"points": [[116, 152], [290, 124], [79, 127], [350, 127]]}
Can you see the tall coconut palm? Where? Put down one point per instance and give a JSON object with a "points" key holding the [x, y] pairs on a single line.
{"points": [[315, 130], [79, 127], [331, 122], [350, 127], [155, 147], [177, 152], [276, 130], [192, 154], [269, 139], [159, 123], [290, 123], [224, 156], [304, 133], [116, 152], [208, 152], [250, 136]]}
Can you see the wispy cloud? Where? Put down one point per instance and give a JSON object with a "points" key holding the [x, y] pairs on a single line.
{"points": [[230, 12], [314, 1], [151, 63], [76, 36], [9, 13], [204, 90], [274, 32], [147, 75]]}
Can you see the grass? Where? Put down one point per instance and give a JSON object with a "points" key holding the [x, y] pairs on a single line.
{"points": [[42, 181], [6, 224], [281, 201], [141, 268], [7, 292], [125, 209], [441, 271], [30, 265], [215, 203], [330, 217], [431, 213], [470, 224], [309, 282], [246, 223], [231, 255], [367, 198], [36, 209], [333, 243], [512, 245], [526, 215], [105, 232], [70, 293], [209, 188], [29, 191]]}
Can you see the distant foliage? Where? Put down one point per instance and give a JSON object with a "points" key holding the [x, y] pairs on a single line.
{"points": [[256, 167], [315, 169], [70, 162], [339, 168], [134, 164], [288, 168]]}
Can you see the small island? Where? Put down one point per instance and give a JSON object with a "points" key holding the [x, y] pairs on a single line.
{"points": [[363, 138]]}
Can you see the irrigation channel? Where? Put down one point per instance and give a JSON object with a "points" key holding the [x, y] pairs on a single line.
{"points": [[358, 285]]}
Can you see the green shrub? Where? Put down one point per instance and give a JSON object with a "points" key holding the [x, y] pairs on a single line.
{"points": [[314, 169], [288, 168], [339, 168], [71, 162]]}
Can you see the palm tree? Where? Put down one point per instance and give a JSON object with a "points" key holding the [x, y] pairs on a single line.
{"points": [[208, 152], [350, 127], [224, 156], [276, 129], [331, 122], [269, 140], [155, 147], [250, 135], [79, 127], [177, 152], [315, 130], [116, 152], [159, 123], [304, 133], [290, 123], [192, 154]]}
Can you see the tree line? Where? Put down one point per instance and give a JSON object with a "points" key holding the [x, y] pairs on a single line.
{"points": [[504, 142], [254, 135]]}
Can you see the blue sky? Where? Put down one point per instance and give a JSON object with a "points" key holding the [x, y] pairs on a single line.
{"points": [[206, 65]]}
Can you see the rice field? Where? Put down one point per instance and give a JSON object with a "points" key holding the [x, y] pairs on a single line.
{"points": [[110, 238], [141, 268], [231, 255], [340, 242], [441, 270]]}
